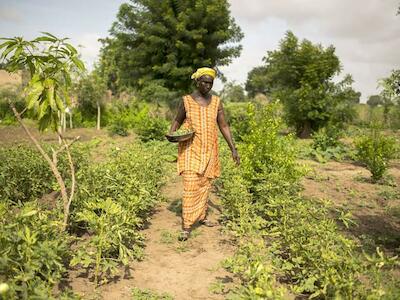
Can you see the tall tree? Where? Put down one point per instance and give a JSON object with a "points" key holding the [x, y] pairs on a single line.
{"points": [[91, 92], [300, 74], [233, 92], [390, 93], [162, 42], [374, 100], [256, 81]]}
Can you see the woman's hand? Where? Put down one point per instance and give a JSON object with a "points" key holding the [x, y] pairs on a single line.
{"points": [[235, 156]]}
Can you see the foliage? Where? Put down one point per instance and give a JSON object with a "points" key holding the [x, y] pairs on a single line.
{"points": [[238, 118], [137, 116], [50, 61], [390, 93], [139, 294], [256, 81], [91, 92], [375, 150], [374, 100], [32, 250], [161, 42], [150, 127], [268, 160], [6, 115], [114, 201], [25, 175], [326, 137], [300, 75], [284, 235], [233, 92]]}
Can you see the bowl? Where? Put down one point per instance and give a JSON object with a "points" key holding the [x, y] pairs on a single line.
{"points": [[179, 138]]}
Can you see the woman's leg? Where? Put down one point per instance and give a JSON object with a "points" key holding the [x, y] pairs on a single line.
{"points": [[195, 197]]}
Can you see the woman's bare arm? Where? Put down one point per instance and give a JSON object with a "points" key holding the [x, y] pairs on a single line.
{"points": [[226, 132], [180, 117]]}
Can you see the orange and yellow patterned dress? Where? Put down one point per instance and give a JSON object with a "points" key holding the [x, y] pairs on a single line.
{"points": [[198, 160]]}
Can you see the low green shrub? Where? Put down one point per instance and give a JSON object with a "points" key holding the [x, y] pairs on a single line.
{"points": [[114, 201], [150, 127], [283, 237], [375, 151], [25, 175], [33, 250]]}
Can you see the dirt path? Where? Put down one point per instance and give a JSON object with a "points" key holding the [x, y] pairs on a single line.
{"points": [[183, 270]]}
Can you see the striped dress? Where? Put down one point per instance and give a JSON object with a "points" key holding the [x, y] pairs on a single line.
{"points": [[198, 160]]}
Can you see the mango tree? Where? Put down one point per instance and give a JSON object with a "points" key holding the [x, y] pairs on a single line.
{"points": [[50, 62]]}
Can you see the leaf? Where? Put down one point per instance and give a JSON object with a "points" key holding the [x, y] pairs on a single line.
{"points": [[6, 44], [43, 109], [59, 102], [49, 34], [71, 48], [45, 39], [29, 213], [8, 50], [78, 63], [33, 91]]}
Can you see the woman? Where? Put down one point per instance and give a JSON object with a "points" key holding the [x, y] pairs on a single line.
{"points": [[198, 160]]}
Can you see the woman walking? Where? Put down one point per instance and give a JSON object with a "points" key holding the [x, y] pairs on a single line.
{"points": [[198, 160]]}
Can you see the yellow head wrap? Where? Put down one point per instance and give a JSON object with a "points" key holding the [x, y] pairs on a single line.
{"points": [[204, 71]]}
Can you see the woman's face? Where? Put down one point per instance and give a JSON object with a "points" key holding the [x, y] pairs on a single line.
{"points": [[205, 84]]}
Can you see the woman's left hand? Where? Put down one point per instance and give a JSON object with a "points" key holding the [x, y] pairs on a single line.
{"points": [[235, 156]]}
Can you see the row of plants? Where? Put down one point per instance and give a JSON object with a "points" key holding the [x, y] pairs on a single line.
{"points": [[113, 201], [288, 244]]}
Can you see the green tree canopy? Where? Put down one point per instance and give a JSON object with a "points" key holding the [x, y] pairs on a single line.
{"points": [[163, 42], [300, 74], [374, 100], [233, 92], [256, 81]]}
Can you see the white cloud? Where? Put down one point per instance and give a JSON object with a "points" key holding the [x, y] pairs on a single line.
{"points": [[366, 34], [9, 14], [89, 47]]}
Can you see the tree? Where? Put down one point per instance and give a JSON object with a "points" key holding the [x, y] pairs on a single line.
{"points": [[390, 93], [301, 76], [257, 81], [50, 61], [233, 92], [162, 42], [91, 91], [374, 100]]}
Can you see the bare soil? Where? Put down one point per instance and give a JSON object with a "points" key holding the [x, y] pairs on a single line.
{"points": [[349, 187]]}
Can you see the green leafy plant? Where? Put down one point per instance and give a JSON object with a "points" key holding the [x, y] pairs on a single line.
{"points": [[146, 294], [114, 201], [50, 62], [32, 250], [375, 151], [283, 235]]}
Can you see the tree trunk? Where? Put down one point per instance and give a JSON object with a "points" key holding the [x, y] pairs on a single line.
{"points": [[98, 116], [305, 131], [70, 120]]}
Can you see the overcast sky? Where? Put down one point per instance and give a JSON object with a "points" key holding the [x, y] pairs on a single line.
{"points": [[366, 33]]}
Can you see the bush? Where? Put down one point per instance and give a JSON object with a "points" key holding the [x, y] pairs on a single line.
{"points": [[280, 234], [33, 250], [120, 192], [150, 127], [238, 119], [374, 151], [25, 175], [326, 137]]}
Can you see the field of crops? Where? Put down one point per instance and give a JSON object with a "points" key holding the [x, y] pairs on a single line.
{"points": [[305, 220]]}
